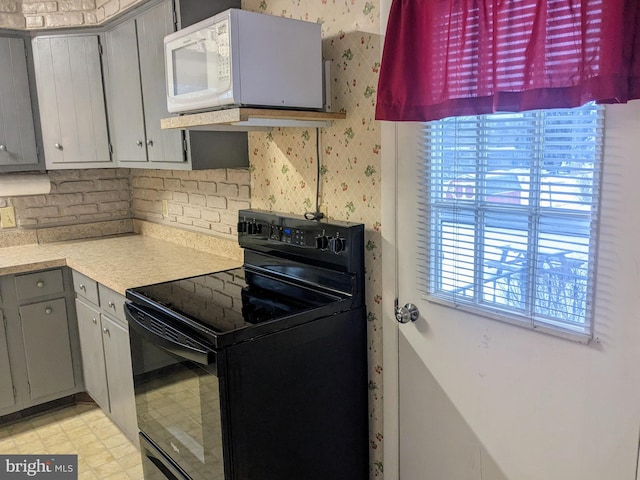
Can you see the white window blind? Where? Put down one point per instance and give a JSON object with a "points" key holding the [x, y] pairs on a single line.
{"points": [[511, 221]]}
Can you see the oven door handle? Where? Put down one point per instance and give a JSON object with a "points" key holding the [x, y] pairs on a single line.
{"points": [[199, 354]]}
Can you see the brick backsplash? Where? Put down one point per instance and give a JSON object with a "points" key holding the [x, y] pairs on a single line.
{"points": [[37, 14], [77, 196], [206, 201]]}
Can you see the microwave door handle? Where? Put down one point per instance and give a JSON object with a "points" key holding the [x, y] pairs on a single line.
{"points": [[188, 352]]}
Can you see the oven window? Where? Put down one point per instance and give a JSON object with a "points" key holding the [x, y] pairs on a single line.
{"points": [[178, 408]]}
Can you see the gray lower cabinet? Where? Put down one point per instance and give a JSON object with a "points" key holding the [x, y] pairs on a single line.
{"points": [[7, 391], [18, 150], [106, 358], [93, 366], [117, 359], [69, 79], [45, 333], [39, 348]]}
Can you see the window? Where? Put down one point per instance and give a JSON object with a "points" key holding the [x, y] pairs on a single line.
{"points": [[512, 217]]}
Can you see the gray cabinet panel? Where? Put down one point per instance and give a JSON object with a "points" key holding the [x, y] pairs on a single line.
{"points": [[112, 303], [125, 100], [153, 26], [71, 100], [85, 287], [93, 366], [17, 133], [46, 339], [119, 375], [7, 398], [39, 284]]}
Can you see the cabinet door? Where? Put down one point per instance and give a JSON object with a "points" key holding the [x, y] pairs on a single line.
{"points": [[163, 146], [71, 99], [7, 398], [17, 133], [93, 366], [119, 376], [45, 333], [125, 96]]}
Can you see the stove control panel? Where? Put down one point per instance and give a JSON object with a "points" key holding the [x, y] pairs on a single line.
{"points": [[258, 230]]}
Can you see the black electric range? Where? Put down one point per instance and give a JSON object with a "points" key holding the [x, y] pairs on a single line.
{"points": [[274, 354]]}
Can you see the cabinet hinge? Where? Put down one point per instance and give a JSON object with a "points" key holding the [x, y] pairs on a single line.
{"points": [[111, 149], [100, 49], [29, 387], [15, 393], [185, 145], [175, 20]]}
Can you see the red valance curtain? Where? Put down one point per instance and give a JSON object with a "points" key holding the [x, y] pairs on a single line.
{"points": [[445, 58]]}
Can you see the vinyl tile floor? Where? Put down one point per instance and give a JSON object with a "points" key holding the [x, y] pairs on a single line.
{"points": [[104, 453]]}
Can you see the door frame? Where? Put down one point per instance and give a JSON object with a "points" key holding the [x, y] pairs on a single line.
{"points": [[390, 333]]}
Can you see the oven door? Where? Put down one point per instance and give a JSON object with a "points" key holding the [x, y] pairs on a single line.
{"points": [[177, 396]]}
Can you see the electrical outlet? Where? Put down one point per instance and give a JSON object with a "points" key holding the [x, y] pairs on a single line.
{"points": [[7, 217], [165, 208]]}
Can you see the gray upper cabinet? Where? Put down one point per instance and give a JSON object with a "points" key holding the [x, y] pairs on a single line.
{"points": [[18, 151], [137, 98], [153, 26], [71, 101]]}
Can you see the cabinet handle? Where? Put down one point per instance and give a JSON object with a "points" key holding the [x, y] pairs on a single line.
{"points": [[3, 148], [40, 284], [57, 146], [48, 310], [150, 143], [82, 287], [139, 143], [112, 305], [105, 330], [94, 320]]}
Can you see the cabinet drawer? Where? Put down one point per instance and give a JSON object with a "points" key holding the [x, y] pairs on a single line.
{"points": [[85, 287], [39, 284], [112, 303]]}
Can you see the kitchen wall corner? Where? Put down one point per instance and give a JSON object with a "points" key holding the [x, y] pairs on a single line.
{"points": [[283, 161]]}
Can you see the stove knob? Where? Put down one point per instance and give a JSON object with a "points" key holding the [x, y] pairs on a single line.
{"points": [[252, 228], [337, 245], [242, 227], [322, 242]]}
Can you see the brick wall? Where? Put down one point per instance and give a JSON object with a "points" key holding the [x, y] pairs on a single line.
{"points": [[11, 14], [35, 14], [77, 197], [206, 201]]}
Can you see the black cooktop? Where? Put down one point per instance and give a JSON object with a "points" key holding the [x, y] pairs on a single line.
{"points": [[229, 301]]}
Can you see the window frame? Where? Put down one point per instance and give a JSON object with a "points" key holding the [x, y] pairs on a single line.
{"points": [[432, 249]]}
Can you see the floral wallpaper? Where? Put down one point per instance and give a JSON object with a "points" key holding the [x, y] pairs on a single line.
{"points": [[284, 162]]}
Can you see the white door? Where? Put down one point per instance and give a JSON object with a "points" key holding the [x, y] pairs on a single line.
{"points": [[471, 398]]}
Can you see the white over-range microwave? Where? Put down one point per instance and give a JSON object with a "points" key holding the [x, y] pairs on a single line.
{"points": [[243, 58]]}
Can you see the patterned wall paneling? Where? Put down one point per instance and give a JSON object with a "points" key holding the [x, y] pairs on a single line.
{"points": [[284, 163]]}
